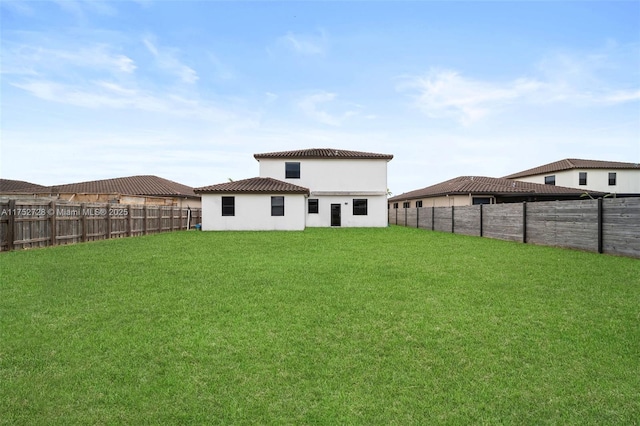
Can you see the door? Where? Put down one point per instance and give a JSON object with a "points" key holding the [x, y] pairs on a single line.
{"points": [[335, 214]]}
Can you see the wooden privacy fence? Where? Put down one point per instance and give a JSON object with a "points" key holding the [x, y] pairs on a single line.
{"points": [[610, 225], [33, 223]]}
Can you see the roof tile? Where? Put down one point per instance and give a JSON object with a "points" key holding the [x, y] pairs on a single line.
{"points": [[324, 153], [573, 163], [257, 185]]}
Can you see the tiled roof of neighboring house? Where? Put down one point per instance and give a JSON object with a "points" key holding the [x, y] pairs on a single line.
{"points": [[257, 185], [324, 153], [132, 185], [573, 163], [479, 185], [20, 186]]}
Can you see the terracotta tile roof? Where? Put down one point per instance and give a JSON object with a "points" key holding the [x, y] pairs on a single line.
{"points": [[257, 185], [479, 185], [20, 186], [573, 163], [132, 185], [324, 153]]}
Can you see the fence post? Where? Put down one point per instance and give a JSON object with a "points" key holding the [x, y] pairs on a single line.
{"points": [[524, 222], [481, 230], [84, 212], [108, 236], [129, 221], [11, 224], [453, 221], [417, 217], [600, 227], [171, 220], [52, 222], [144, 220], [433, 218]]}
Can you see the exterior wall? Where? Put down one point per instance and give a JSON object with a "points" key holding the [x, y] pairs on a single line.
{"points": [[627, 181], [338, 181], [444, 201], [376, 211], [253, 213], [331, 175]]}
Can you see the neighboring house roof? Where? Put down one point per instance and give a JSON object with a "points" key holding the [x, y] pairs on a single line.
{"points": [[573, 163], [20, 186], [257, 185], [316, 153], [132, 185], [480, 185]]}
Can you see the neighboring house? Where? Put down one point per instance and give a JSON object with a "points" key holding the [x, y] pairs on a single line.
{"points": [[471, 190], [150, 190], [14, 188], [305, 188], [622, 179]]}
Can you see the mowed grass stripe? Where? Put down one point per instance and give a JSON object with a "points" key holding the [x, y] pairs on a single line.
{"points": [[363, 326]]}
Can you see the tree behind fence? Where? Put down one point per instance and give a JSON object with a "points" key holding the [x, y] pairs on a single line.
{"points": [[41, 223], [609, 225]]}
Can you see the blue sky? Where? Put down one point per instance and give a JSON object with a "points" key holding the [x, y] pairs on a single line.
{"points": [[190, 90]]}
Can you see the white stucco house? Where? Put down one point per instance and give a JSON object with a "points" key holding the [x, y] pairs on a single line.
{"points": [[611, 177], [318, 187]]}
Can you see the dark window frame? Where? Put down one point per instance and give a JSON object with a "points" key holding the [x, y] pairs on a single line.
{"points": [[292, 170], [277, 208], [228, 205], [395, 205], [418, 203], [406, 204], [550, 180], [582, 178], [613, 178], [360, 206], [313, 206]]}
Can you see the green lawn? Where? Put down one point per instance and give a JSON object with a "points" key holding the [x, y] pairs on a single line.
{"points": [[326, 326]]}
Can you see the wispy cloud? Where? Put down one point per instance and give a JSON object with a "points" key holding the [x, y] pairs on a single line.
{"points": [[310, 105], [306, 44], [166, 59]]}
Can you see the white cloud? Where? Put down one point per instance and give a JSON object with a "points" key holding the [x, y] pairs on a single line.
{"points": [[310, 106], [306, 44], [167, 60]]}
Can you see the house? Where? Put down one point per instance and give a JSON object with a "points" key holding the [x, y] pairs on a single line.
{"points": [[471, 190], [151, 190], [622, 179], [305, 188]]}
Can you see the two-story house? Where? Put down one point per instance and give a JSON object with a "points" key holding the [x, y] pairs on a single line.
{"points": [[295, 189], [622, 179]]}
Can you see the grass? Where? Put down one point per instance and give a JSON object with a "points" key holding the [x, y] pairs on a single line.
{"points": [[325, 326]]}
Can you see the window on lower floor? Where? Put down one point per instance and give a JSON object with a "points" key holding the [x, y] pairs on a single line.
{"points": [[481, 200], [359, 207], [550, 180], [292, 170], [582, 178], [419, 203], [313, 205], [395, 205], [277, 206], [228, 206], [612, 179], [406, 205]]}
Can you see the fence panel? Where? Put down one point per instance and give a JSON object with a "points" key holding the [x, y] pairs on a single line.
{"points": [[442, 219], [502, 221], [425, 217], [467, 220], [572, 224], [40, 223], [621, 226]]}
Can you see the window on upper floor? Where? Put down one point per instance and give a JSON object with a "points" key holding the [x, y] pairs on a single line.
{"points": [[612, 178], [419, 203], [277, 206], [406, 205], [359, 207], [313, 205], [550, 180], [228, 206], [582, 178], [292, 170], [395, 205]]}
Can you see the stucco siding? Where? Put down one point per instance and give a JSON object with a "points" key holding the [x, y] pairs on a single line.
{"points": [[376, 211], [627, 181], [253, 213], [331, 175]]}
